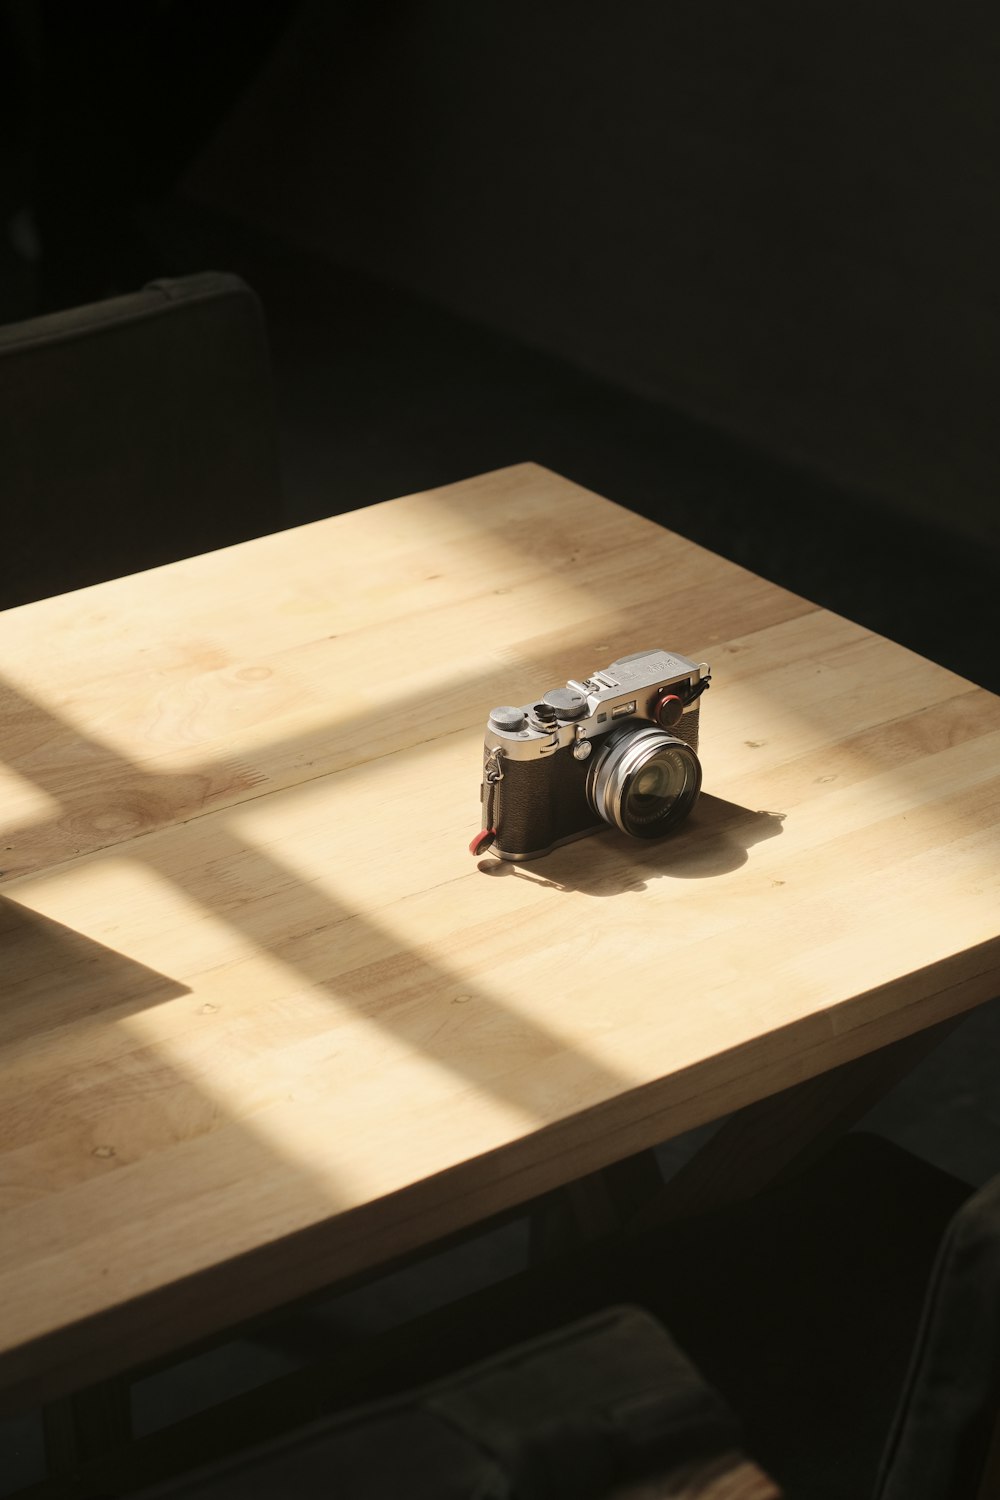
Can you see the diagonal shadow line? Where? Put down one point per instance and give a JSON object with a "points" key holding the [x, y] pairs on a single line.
{"points": [[349, 957], [389, 964], [40, 954]]}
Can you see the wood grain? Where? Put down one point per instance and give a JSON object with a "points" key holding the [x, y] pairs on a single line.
{"points": [[264, 1022]]}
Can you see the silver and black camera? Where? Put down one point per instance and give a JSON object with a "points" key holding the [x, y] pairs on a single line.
{"points": [[618, 748]]}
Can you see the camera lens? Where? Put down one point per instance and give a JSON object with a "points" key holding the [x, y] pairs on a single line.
{"points": [[644, 781]]}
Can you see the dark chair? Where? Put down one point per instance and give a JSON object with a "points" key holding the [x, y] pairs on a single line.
{"points": [[607, 1407], [807, 1306], [134, 432], [945, 1439]]}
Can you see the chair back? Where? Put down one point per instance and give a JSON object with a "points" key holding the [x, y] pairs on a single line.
{"points": [[133, 432], [942, 1444]]}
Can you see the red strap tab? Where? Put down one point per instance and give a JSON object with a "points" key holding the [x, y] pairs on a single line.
{"points": [[483, 841]]}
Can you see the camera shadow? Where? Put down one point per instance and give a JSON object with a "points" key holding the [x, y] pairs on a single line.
{"points": [[715, 840]]}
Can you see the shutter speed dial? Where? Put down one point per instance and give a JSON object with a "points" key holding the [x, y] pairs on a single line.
{"points": [[566, 702]]}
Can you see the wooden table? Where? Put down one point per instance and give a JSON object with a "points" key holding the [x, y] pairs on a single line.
{"points": [[264, 1020]]}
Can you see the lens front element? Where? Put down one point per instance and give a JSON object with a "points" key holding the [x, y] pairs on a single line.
{"points": [[644, 781]]}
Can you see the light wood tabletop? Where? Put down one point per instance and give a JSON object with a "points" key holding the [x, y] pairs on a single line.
{"points": [[264, 1020]]}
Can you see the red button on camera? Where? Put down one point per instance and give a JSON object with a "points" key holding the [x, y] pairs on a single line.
{"points": [[667, 710]]}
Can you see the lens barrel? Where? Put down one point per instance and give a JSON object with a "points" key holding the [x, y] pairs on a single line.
{"points": [[643, 780]]}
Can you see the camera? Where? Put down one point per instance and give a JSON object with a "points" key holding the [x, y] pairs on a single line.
{"points": [[618, 748]]}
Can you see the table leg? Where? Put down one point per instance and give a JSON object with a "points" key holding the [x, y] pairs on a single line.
{"points": [[779, 1136], [86, 1425], [593, 1207], [760, 1145]]}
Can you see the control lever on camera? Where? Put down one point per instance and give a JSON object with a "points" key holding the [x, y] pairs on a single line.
{"points": [[492, 777]]}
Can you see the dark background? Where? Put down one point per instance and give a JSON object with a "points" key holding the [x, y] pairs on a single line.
{"points": [[780, 218], [732, 266]]}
